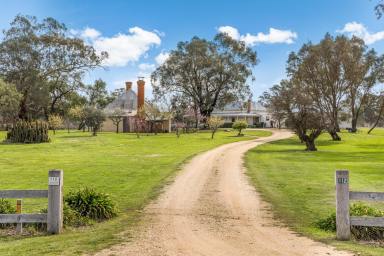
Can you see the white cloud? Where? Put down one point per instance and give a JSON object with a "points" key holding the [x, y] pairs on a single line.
{"points": [[90, 33], [122, 48], [161, 58], [147, 67], [274, 36], [359, 30], [231, 31]]}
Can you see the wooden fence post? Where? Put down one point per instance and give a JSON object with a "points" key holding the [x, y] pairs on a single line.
{"points": [[19, 226], [343, 228], [55, 202]]}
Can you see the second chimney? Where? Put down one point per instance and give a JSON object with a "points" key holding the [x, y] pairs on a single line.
{"points": [[128, 86], [140, 93]]}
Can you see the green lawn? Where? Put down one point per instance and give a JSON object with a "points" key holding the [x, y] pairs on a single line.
{"points": [[300, 185], [131, 170]]}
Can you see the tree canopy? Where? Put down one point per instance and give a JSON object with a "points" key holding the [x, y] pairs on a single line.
{"points": [[208, 74], [44, 62]]}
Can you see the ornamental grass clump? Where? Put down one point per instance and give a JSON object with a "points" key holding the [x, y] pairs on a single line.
{"points": [[28, 132], [91, 204]]}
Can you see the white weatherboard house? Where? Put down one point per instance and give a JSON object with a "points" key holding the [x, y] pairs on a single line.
{"points": [[254, 113]]}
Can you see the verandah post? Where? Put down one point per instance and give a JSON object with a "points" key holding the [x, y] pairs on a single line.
{"points": [[55, 202], [343, 226]]}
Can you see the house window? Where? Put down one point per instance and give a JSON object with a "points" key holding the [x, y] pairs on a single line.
{"points": [[233, 119]]}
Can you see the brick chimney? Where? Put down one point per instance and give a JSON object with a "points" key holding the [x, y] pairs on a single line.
{"points": [[140, 93], [128, 86], [249, 105]]}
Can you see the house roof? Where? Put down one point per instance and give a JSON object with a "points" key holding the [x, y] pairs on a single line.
{"points": [[127, 102]]}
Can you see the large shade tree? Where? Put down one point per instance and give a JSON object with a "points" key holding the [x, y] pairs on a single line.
{"points": [[319, 71], [301, 113], [44, 62], [208, 74]]}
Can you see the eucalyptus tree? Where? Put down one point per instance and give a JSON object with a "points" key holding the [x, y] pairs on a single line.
{"points": [[9, 102], [301, 113], [270, 100], [207, 73], [377, 111], [362, 70], [44, 62], [318, 68], [98, 95]]}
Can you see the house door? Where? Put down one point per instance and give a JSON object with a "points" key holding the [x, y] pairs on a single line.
{"points": [[125, 124]]}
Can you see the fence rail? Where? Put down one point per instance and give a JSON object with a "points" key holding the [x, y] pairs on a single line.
{"points": [[54, 216], [367, 221], [367, 196], [23, 218], [343, 219], [23, 193]]}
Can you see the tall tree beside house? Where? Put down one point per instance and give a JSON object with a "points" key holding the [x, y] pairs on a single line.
{"points": [[98, 95], [271, 101], [9, 102], [208, 74], [44, 63], [362, 70], [318, 68]]}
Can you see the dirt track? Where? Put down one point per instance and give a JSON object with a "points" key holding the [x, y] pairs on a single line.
{"points": [[210, 209]]}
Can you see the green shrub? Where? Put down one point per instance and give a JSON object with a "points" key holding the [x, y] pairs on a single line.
{"points": [[358, 232], [6, 208], [28, 132], [73, 218], [91, 204], [328, 223], [240, 125]]}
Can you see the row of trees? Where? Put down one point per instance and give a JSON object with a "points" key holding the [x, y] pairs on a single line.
{"points": [[339, 75], [42, 67]]}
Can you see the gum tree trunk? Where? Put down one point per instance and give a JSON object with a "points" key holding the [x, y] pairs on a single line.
{"points": [[310, 145], [334, 135]]}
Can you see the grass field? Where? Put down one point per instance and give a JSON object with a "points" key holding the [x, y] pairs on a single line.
{"points": [[131, 170], [300, 185]]}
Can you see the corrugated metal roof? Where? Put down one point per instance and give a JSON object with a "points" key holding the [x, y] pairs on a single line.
{"points": [[126, 101]]}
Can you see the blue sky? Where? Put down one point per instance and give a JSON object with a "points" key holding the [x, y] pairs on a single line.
{"points": [[137, 32]]}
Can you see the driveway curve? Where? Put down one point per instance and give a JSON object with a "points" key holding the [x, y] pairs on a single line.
{"points": [[211, 209]]}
